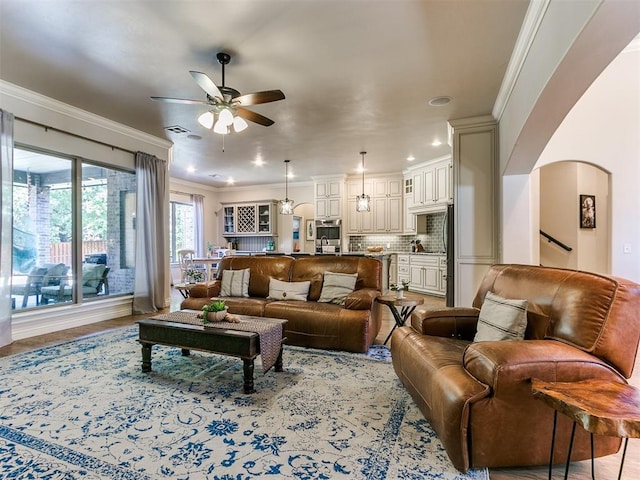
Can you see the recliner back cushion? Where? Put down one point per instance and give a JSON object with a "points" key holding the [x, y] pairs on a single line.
{"points": [[596, 313]]}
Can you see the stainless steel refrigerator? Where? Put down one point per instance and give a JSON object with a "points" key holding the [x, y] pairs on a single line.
{"points": [[448, 242]]}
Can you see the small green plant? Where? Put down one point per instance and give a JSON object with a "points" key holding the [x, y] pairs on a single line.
{"points": [[215, 306], [396, 288]]}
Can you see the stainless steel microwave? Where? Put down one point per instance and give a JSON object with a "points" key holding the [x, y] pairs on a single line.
{"points": [[329, 229]]}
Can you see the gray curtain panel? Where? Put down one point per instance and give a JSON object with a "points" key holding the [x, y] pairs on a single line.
{"points": [[198, 228], [151, 214], [6, 215]]}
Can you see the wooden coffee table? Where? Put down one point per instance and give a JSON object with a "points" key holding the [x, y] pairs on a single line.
{"points": [[234, 343]]}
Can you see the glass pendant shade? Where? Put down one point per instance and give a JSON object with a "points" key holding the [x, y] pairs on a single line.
{"points": [[285, 207], [225, 117], [239, 124], [206, 120], [220, 128], [363, 203]]}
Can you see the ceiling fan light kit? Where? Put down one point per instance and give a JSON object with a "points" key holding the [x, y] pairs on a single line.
{"points": [[227, 103], [363, 202], [285, 207]]}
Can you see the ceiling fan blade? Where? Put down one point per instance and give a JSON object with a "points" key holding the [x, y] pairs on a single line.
{"points": [[179, 100], [206, 84], [254, 117], [259, 97]]}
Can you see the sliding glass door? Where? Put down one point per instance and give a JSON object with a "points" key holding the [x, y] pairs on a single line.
{"points": [[74, 230]]}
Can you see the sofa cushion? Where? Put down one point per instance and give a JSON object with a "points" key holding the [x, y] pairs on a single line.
{"points": [[235, 283], [279, 290], [501, 319], [337, 286]]}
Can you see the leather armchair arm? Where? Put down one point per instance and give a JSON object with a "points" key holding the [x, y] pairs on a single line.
{"points": [[455, 322], [361, 299], [205, 289], [501, 365]]}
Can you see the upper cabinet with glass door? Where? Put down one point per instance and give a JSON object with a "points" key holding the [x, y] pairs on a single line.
{"points": [[250, 219]]}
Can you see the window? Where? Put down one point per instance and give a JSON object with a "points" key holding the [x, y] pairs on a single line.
{"points": [[68, 230], [180, 228]]}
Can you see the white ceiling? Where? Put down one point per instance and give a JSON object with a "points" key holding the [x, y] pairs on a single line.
{"points": [[357, 74]]}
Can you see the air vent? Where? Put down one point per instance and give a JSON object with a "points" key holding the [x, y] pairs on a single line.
{"points": [[177, 129]]}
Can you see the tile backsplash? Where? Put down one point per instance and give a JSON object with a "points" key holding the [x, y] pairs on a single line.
{"points": [[431, 240]]}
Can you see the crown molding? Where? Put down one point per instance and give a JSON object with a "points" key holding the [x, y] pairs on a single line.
{"points": [[533, 18], [41, 101]]}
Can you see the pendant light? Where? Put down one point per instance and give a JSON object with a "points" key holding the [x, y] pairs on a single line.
{"points": [[286, 205], [363, 203]]}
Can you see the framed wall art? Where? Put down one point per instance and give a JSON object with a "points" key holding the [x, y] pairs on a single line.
{"points": [[310, 230], [587, 211]]}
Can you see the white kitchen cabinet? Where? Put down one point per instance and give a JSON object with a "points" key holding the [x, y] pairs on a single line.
{"points": [[328, 199], [358, 223], [431, 186], [426, 274], [409, 226], [403, 269], [387, 214], [250, 219], [387, 187], [393, 268]]}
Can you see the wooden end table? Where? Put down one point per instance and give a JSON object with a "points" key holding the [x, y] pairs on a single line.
{"points": [[407, 304], [601, 407], [184, 288]]}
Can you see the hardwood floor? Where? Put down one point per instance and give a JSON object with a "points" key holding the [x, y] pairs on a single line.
{"points": [[606, 468]]}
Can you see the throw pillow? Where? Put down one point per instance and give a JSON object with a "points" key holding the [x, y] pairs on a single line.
{"points": [[279, 290], [235, 283], [501, 319], [337, 286]]}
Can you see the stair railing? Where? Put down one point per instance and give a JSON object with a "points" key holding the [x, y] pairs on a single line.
{"points": [[556, 241]]}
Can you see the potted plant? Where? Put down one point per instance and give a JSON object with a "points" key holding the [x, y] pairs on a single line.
{"points": [[194, 275], [400, 289], [215, 311]]}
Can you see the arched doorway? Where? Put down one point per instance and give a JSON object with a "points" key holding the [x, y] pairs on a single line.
{"points": [[575, 216]]}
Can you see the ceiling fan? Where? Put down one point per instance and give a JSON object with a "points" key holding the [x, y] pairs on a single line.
{"points": [[227, 103]]}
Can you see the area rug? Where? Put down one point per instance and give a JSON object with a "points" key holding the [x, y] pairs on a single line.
{"points": [[84, 410]]}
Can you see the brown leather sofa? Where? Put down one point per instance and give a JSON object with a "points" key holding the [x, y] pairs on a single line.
{"points": [[477, 396], [350, 327]]}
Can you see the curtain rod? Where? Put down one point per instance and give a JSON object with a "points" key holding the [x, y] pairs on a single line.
{"points": [[47, 127], [179, 192]]}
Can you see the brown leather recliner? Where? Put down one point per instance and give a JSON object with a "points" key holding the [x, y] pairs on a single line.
{"points": [[351, 327], [477, 396]]}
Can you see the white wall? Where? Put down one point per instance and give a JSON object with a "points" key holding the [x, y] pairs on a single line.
{"points": [[602, 129]]}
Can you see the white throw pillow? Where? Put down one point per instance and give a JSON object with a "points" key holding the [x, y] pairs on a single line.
{"points": [[501, 319], [235, 283], [337, 286], [279, 290]]}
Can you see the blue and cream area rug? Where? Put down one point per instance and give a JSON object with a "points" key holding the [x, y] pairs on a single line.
{"points": [[84, 410]]}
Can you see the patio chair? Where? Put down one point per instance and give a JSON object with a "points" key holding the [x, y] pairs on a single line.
{"points": [[32, 285], [94, 283]]}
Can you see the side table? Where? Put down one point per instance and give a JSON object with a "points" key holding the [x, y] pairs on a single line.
{"points": [[601, 407], [407, 304], [184, 288]]}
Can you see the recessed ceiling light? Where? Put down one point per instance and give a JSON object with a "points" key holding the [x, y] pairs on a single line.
{"points": [[194, 137], [191, 169], [258, 162], [230, 181], [410, 158], [439, 101], [436, 143]]}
